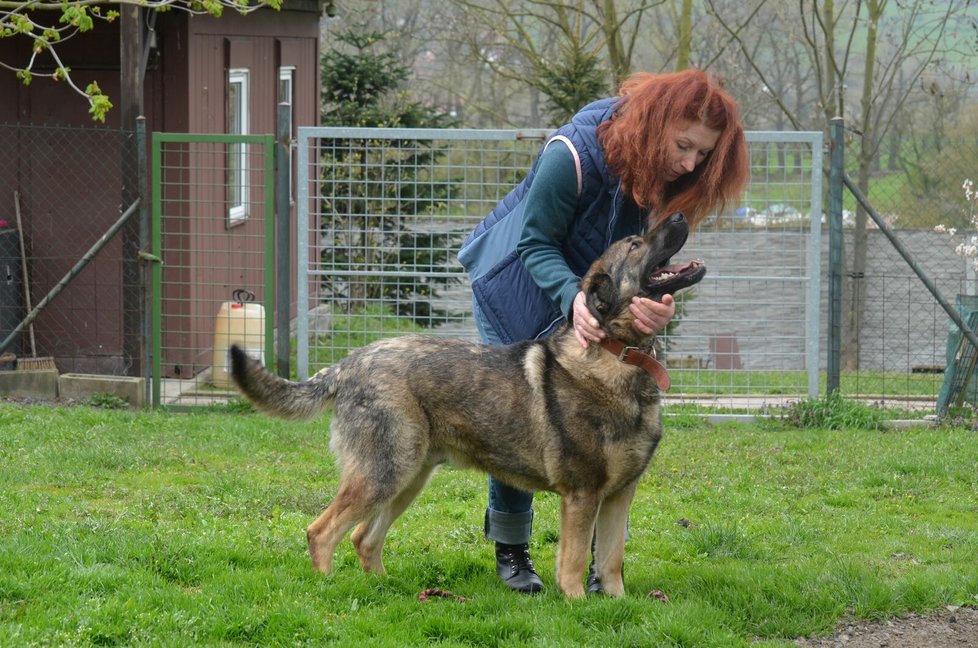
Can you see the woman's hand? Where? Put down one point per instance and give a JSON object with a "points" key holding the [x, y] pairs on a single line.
{"points": [[650, 317], [586, 328]]}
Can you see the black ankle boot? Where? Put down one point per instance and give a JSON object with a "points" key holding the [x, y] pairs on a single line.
{"points": [[593, 582], [514, 566], [594, 585]]}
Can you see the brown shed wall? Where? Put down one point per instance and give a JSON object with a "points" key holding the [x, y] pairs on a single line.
{"points": [[69, 196], [211, 277]]}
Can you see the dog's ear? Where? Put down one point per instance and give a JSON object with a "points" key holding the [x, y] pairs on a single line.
{"points": [[601, 294]]}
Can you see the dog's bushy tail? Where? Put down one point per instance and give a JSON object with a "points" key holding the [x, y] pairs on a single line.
{"points": [[277, 396]]}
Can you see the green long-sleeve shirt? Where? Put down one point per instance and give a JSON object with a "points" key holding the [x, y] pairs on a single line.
{"points": [[548, 219]]}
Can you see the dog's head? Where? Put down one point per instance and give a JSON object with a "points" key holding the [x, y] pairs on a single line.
{"points": [[636, 266]]}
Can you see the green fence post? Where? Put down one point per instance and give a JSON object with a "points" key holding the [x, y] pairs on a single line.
{"points": [[283, 236], [836, 173]]}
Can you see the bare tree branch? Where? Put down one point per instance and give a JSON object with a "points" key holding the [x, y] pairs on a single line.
{"points": [[64, 20], [752, 62]]}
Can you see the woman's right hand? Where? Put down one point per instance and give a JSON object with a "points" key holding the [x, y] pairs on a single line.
{"points": [[586, 327]]}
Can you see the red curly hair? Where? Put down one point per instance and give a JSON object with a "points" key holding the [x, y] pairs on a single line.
{"points": [[652, 108]]}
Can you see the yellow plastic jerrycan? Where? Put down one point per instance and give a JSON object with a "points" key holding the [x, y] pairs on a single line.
{"points": [[240, 322]]}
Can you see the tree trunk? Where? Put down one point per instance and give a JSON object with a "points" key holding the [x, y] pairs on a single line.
{"points": [[867, 148], [685, 35]]}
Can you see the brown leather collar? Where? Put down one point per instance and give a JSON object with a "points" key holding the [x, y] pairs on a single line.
{"points": [[639, 358]]}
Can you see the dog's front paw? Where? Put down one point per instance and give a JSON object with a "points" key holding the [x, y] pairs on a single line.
{"points": [[572, 589], [574, 592]]}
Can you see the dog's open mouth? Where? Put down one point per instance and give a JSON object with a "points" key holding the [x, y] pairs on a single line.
{"points": [[668, 279]]}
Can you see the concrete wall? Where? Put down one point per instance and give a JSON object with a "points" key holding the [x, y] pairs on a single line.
{"points": [[752, 292]]}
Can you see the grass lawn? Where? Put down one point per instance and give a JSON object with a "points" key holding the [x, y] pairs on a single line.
{"points": [[156, 528]]}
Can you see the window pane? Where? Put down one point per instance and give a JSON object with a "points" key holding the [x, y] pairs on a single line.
{"points": [[237, 163]]}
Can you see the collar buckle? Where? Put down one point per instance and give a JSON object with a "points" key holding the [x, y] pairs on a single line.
{"points": [[625, 350]]}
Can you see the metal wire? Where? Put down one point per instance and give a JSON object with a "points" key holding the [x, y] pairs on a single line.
{"points": [[385, 211]]}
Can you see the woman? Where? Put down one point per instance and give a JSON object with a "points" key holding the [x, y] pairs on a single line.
{"points": [[666, 143]]}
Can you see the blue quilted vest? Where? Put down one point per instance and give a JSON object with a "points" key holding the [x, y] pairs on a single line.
{"points": [[510, 301]]}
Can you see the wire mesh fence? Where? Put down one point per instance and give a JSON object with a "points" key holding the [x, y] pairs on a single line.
{"points": [[897, 341], [213, 236], [747, 335], [66, 185], [386, 211], [381, 217]]}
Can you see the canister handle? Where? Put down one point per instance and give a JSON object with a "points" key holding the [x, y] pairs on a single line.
{"points": [[242, 295]]}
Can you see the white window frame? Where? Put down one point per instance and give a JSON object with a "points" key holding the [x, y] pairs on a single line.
{"points": [[286, 74], [286, 78], [238, 185]]}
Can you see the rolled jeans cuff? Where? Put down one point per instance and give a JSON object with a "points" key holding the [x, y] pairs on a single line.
{"points": [[509, 528]]}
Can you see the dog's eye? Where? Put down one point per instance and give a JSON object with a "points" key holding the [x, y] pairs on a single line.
{"points": [[635, 245]]}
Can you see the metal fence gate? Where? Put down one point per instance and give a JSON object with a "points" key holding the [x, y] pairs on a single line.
{"points": [[213, 247], [382, 212]]}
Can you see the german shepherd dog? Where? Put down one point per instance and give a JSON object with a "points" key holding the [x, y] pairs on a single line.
{"points": [[540, 415]]}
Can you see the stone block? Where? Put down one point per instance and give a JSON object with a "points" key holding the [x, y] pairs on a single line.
{"points": [[29, 383], [81, 386]]}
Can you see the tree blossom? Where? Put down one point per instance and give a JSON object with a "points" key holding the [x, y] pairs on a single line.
{"points": [[967, 249]]}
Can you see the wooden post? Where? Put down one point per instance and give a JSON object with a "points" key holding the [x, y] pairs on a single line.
{"points": [[130, 108]]}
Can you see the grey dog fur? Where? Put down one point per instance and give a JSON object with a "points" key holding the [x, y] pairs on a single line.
{"points": [[539, 415]]}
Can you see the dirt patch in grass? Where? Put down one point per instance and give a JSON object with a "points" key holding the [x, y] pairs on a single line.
{"points": [[950, 628], [27, 401]]}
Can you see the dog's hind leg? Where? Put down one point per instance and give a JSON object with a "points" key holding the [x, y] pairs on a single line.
{"points": [[609, 548], [577, 514], [352, 504], [368, 538]]}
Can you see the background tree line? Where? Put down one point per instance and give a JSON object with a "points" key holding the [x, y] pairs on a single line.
{"points": [[903, 74]]}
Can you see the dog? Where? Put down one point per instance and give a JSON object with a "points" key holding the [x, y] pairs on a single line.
{"points": [[539, 415]]}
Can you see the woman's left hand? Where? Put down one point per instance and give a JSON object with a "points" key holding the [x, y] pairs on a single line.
{"points": [[652, 316]]}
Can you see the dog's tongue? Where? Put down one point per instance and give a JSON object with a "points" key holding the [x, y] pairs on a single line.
{"points": [[670, 278], [669, 272]]}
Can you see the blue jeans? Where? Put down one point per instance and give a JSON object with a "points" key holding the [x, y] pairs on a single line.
{"points": [[509, 517]]}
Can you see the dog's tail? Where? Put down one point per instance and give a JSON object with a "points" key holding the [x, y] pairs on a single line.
{"points": [[279, 397]]}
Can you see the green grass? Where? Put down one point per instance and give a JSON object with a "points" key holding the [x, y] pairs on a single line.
{"points": [[153, 528], [834, 412], [880, 384], [889, 192], [356, 330], [353, 331]]}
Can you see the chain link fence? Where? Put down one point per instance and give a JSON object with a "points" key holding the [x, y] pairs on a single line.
{"points": [[66, 184], [387, 265], [897, 341]]}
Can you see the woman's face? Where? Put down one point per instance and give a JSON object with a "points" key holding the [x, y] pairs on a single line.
{"points": [[687, 147]]}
